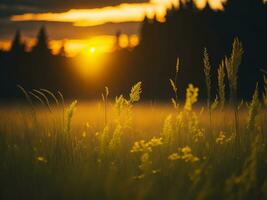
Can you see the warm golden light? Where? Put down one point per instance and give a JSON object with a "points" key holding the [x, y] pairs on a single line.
{"points": [[124, 41], [89, 63], [121, 13], [5, 45], [96, 44], [125, 12], [134, 40], [92, 50]]}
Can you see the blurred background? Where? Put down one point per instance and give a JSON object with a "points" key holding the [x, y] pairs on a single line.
{"points": [[79, 47]]}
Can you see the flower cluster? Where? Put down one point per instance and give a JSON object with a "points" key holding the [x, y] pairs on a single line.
{"points": [[193, 127], [135, 92], [41, 159], [198, 134], [142, 146], [221, 139], [145, 148], [185, 154], [191, 97]]}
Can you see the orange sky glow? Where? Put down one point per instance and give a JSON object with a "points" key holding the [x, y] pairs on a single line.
{"points": [[121, 13], [125, 12]]}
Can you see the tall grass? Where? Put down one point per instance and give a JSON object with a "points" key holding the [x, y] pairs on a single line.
{"points": [[56, 150], [105, 100], [174, 85], [207, 72], [232, 64], [221, 85]]}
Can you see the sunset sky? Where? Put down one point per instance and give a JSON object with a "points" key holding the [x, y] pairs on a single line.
{"points": [[81, 24]]}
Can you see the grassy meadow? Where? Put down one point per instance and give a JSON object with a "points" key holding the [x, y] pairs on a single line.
{"points": [[126, 149]]}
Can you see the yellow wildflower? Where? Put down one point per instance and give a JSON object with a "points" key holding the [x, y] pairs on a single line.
{"points": [[191, 97], [174, 156], [41, 159]]}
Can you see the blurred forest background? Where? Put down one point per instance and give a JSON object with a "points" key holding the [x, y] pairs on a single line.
{"points": [[184, 34]]}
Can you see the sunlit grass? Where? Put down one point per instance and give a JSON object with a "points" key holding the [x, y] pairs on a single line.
{"points": [[126, 149]]}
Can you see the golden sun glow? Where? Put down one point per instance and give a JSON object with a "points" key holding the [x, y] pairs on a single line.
{"points": [[93, 45], [92, 50], [4, 45], [89, 63], [96, 44]]}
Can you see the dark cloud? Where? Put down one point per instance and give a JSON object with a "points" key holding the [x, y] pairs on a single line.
{"points": [[12, 7]]}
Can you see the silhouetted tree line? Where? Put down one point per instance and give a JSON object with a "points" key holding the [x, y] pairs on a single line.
{"points": [[185, 33]]}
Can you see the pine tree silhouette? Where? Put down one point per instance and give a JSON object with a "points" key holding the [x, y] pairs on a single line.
{"points": [[41, 46], [17, 46], [144, 34]]}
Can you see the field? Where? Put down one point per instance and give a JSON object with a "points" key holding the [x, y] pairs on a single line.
{"points": [[124, 148], [143, 152]]}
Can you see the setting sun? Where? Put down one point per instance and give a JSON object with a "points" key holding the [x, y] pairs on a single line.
{"points": [[89, 63], [92, 50]]}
